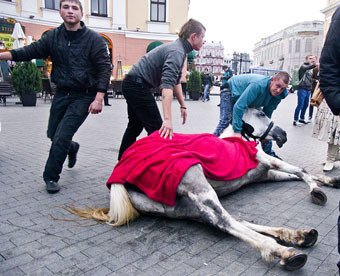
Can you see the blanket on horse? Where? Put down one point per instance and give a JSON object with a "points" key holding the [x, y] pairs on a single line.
{"points": [[156, 165]]}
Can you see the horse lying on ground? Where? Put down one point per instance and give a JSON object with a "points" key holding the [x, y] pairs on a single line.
{"points": [[196, 196]]}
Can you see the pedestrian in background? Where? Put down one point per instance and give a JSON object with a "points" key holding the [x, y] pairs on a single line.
{"points": [[251, 90], [327, 129], [226, 76], [207, 83], [304, 89], [81, 72], [162, 68]]}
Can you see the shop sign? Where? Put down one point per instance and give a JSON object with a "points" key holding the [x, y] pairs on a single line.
{"points": [[6, 41]]}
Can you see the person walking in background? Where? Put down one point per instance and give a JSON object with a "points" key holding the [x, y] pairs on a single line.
{"points": [[304, 89], [162, 68], [207, 83], [81, 72], [327, 128], [250, 90], [226, 76], [315, 80]]}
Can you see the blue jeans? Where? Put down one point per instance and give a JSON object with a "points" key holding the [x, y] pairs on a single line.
{"points": [[206, 93], [267, 148], [226, 110], [303, 101]]}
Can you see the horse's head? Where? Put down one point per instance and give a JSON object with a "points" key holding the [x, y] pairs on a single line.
{"points": [[257, 125]]}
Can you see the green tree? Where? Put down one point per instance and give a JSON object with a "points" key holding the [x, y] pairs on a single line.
{"points": [[25, 78], [194, 83]]}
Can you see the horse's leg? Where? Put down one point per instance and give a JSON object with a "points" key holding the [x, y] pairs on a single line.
{"points": [[195, 187], [329, 181], [318, 196], [302, 238]]}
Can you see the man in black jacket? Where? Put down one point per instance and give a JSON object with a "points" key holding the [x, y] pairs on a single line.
{"points": [[330, 65], [81, 72], [330, 75]]}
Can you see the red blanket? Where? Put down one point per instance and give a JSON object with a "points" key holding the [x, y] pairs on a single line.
{"points": [[156, 165]]}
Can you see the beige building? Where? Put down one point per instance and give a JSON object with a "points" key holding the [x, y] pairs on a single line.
{"points": [[328, 11], [128, 26], [287, 49]]}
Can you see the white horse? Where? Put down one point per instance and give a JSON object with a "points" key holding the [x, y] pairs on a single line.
{"points": [[197, 199]]}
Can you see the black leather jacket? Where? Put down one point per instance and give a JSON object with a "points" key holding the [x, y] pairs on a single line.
{"points": [[80, 61], [330, 65]]}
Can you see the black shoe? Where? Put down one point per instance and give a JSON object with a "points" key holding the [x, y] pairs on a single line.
{"points": [[303, 122], [218, 105], [72, 156], [107, 105], [52, 187]]}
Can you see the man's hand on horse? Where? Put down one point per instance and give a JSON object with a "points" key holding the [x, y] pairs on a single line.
{"points": [[237, 135], [166, 131]]}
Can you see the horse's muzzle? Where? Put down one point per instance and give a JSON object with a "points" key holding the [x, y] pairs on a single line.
{"points": [[280, 136]]}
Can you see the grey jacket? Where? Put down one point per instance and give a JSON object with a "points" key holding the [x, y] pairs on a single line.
{"points": [[162, 67]]}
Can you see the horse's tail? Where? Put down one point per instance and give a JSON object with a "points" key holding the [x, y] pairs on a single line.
{"points": [[120, 213], [121, 209]]}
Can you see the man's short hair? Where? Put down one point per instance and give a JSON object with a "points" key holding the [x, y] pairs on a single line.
{"points": [[225, 66], [284, 76], [190, 27], [308, 56], [75, 1]]}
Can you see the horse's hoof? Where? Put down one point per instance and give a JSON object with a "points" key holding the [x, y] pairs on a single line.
{"points": [[318, 196], [336, 185], [310, 238], [295, 262]]}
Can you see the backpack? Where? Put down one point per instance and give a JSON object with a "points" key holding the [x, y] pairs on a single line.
{"points": [[295, 78]]}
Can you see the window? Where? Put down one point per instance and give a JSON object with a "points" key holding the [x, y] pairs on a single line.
{"points": [[297, 46], [99, 7], [157, 11], [290, 46], [308, 46], [52, 4]]}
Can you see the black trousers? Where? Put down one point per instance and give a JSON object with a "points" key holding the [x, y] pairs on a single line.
{"points": [[68, 112], [142, 113]]}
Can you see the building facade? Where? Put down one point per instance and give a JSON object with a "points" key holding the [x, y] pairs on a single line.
{"points": [[128, 26], [210, 56], [331, 6], [287, 49]]}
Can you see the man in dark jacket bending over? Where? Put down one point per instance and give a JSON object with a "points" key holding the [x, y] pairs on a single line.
{"points": [[81, 72], [162, 68]]}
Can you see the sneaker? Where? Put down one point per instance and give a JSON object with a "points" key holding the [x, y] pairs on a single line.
{"points": [[303, 122], [72, 157], [52, 187], [294, 123]]}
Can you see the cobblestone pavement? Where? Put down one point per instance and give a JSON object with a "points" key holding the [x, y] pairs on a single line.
{"points": [[33, 243]]}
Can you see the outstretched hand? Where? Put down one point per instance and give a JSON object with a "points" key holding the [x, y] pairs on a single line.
{"points": [[166, 131]]}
